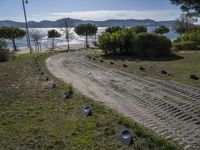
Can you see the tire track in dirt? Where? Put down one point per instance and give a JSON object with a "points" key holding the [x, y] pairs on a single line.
{"points": [[170, 109]]}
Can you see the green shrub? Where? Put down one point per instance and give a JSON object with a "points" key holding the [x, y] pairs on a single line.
{"points": [[121, 41], [152, 45], [149, 53], [106, 43], [186, 45], [188, 41], [4, 55], [126, 41], [145, 42], [164, 46]]}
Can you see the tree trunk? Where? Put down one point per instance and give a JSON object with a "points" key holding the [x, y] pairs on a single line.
{"points": [[87, 46], [40, 46], [53, 44], [14, 45], [35, 46], [68, 47], [38, 49]]}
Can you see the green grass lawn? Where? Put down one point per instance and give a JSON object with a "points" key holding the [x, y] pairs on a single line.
{"points": [[33, 117], [180, 67]]}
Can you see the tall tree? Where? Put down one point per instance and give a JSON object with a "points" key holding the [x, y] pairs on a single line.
{"points": [[189, 6], [184, 23], [162, 30], [37, 36], [53, 34], [12, 34], [113, 29], [139, 29], [86, 30], [66, 25]]}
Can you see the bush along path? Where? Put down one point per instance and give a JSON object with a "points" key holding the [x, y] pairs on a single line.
{"points": [[34, 116]]}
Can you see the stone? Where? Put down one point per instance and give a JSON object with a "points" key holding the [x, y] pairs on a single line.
{"points": [[125, 137], [46, 78], [89, 57], [65, 95], [194, 77], [52, 86], [41, 73], [142, 68], [87, 111], [112, 63], [164, 72], [102, 61], [125, 66]]}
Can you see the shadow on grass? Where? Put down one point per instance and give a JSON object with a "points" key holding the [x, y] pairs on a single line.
{"points": [[136, 58]]}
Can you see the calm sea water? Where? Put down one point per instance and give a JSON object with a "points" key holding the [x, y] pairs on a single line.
{"points": [[75, 39]]}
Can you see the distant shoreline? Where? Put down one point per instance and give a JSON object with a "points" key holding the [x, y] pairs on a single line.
{"points": [[106, 23]]}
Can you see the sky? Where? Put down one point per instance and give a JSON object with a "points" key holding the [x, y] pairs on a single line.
{"points": [[99, 10]]}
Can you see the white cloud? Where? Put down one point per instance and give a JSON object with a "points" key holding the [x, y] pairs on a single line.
{"points": [[101, 15]]}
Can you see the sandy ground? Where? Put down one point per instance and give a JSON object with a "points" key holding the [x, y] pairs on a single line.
{"points": [[170, 109]]}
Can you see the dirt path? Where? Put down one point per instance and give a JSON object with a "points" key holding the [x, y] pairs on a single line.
{"points": [[170, 109]]}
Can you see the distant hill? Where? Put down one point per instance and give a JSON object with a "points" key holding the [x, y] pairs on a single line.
{"points": [[112, 22]]}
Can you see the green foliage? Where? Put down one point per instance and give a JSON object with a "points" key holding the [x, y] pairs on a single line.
{"points": [[4, 55], [127, 41], [105, 43], [139, 29], [189, 40], [191, 6], [119, 42], [12, 33], [3, 44], [152, 45], [146, 42], [86, 30], [164, 46], [161, 30], [70, 88], [113, 29], [186, 45], [53, 34]]}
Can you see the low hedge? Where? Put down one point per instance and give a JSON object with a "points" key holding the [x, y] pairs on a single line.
{"points": [[152, 45], [186, 45]]}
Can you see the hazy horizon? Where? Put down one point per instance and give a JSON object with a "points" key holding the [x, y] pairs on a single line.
{"points": [[88, 20], [97, 10]]}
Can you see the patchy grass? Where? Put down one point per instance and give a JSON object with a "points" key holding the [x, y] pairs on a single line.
{"points": [[34, 117], [179, 67]]}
